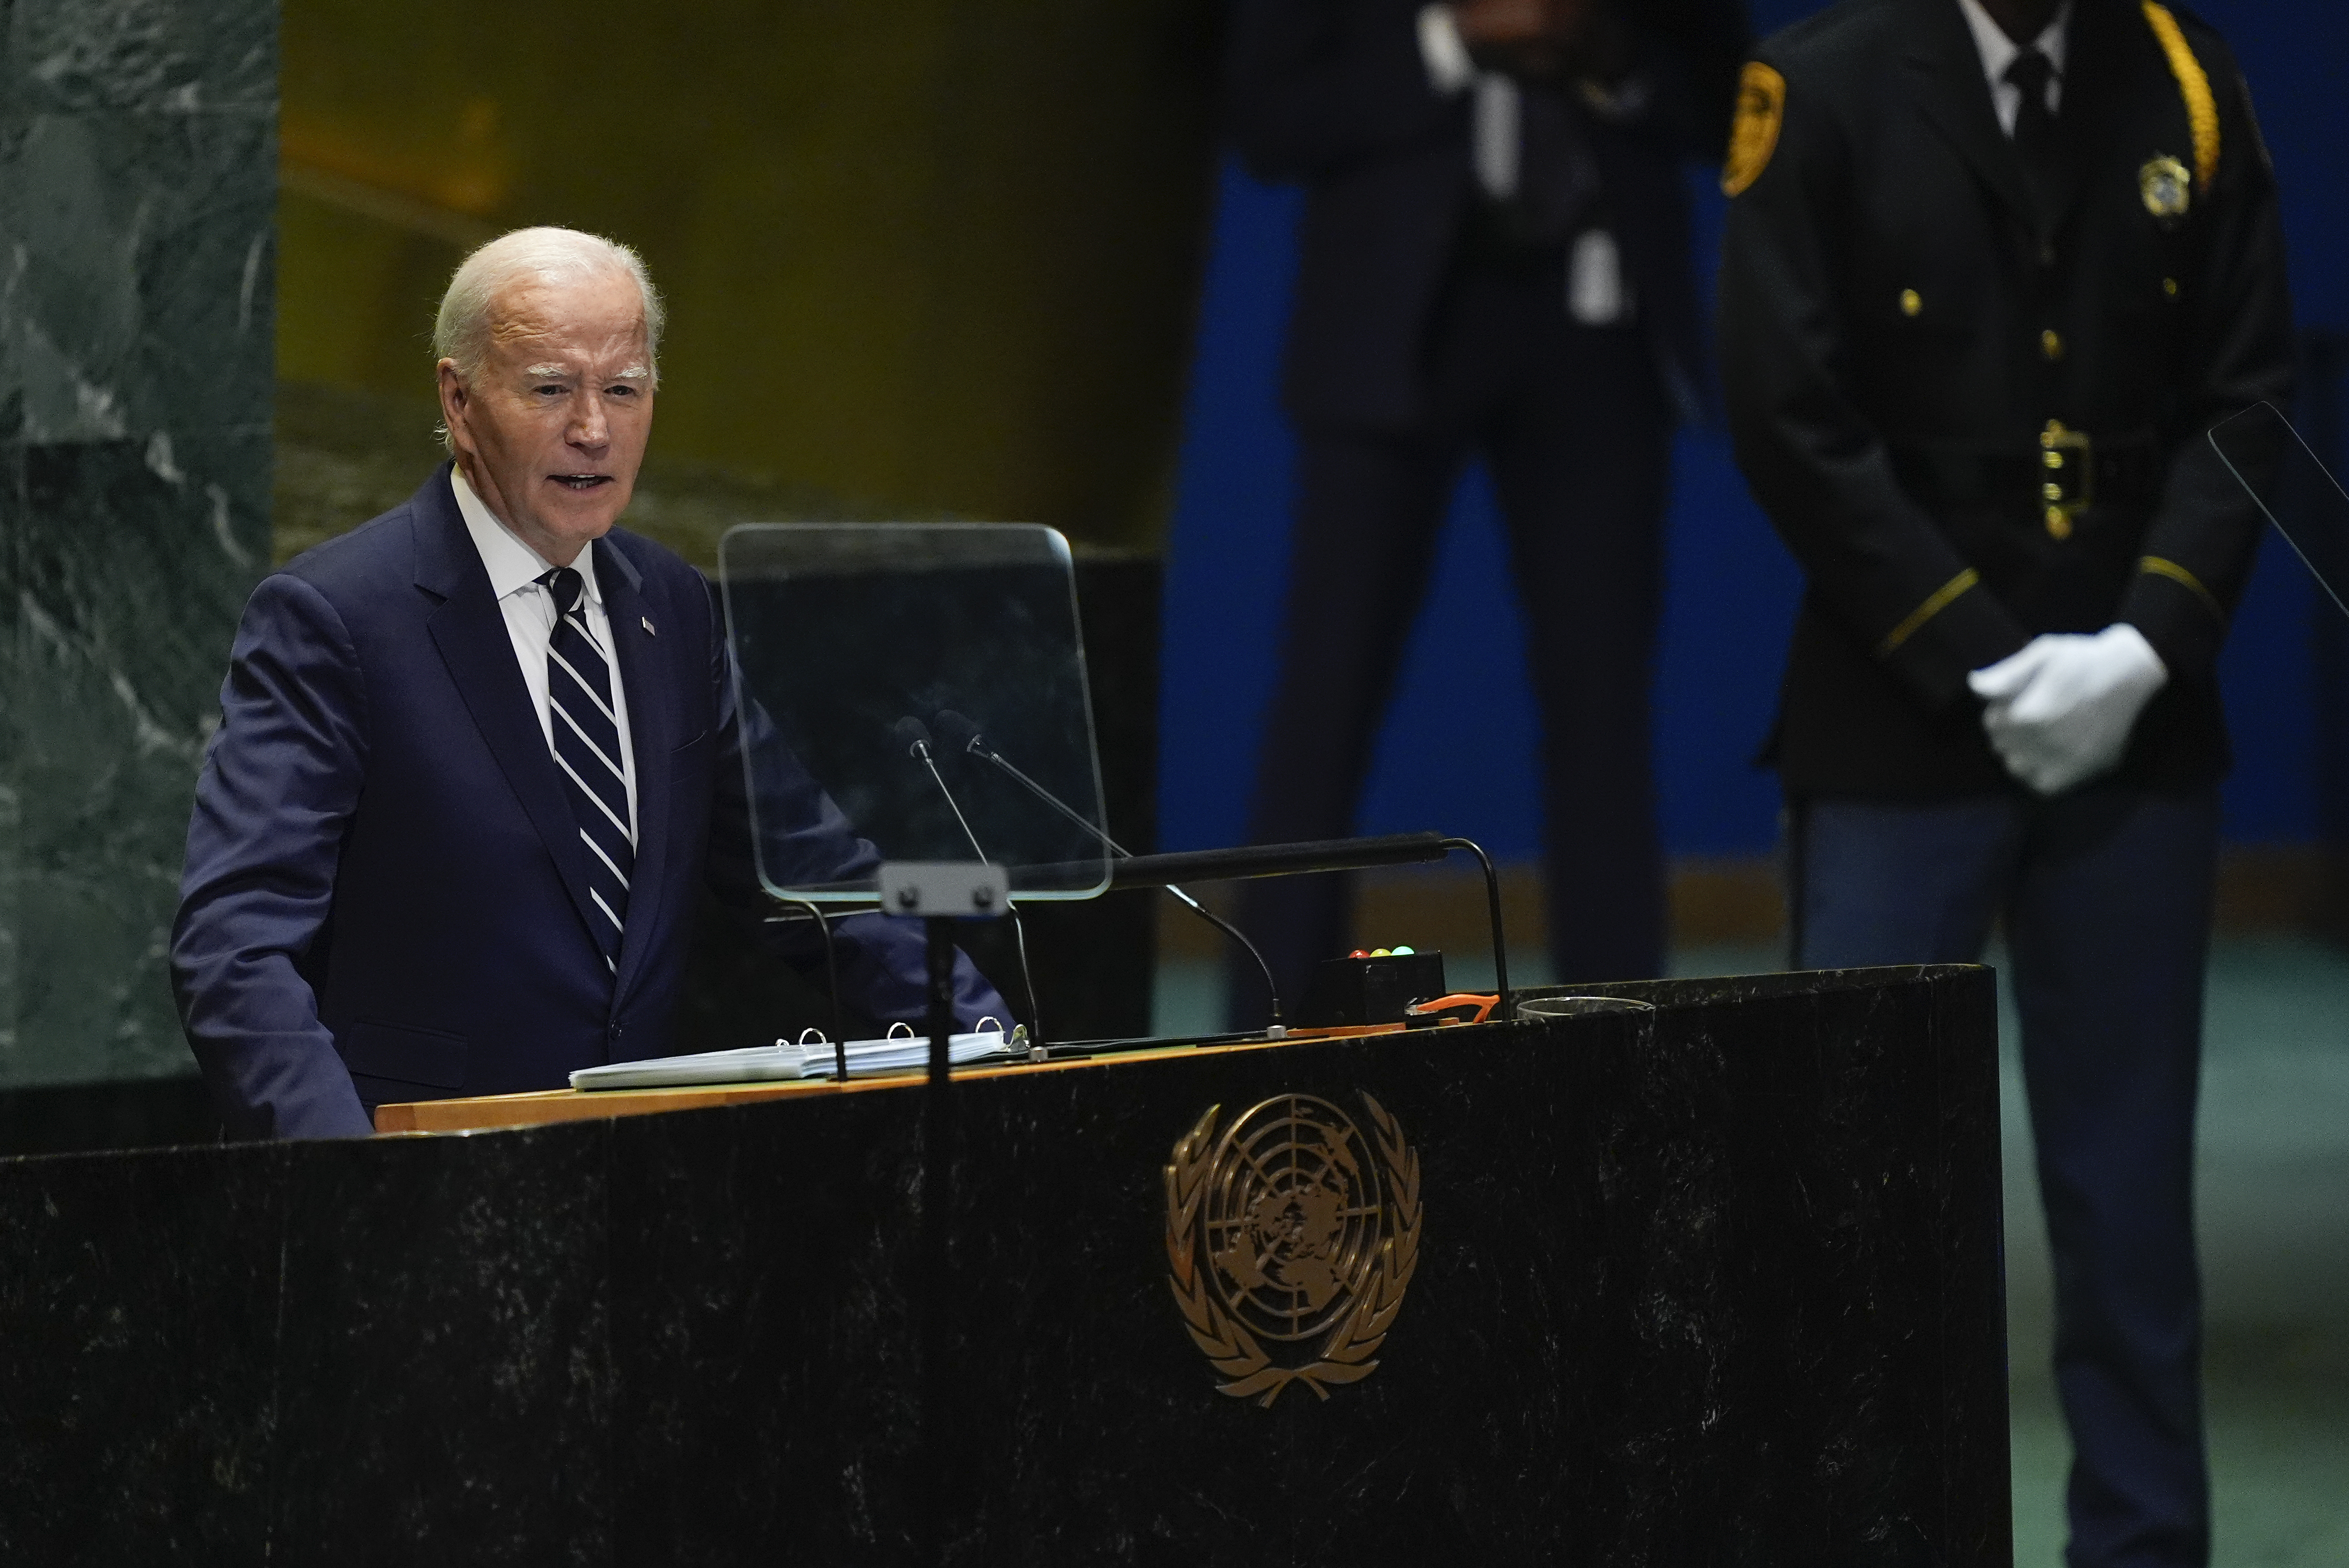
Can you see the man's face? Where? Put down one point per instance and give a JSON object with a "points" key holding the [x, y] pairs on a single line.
{"points": [[553, 428]]}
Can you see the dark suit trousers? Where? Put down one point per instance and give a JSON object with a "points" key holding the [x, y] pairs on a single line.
{"points": [[1575, 427], [2106, 895]]}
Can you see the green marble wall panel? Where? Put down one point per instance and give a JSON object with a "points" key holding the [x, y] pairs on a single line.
{"points": [[137, 161]]}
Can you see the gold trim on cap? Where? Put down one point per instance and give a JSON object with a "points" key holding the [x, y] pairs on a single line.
{"points": [[1942, 599], [2193, 86], [2179, 574]]}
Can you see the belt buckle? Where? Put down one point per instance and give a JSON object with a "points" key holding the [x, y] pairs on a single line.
{"points": [[2068, 476]]}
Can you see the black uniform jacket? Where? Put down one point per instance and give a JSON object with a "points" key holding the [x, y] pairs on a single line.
{"points": [[1900, 327], [1333, 93]]}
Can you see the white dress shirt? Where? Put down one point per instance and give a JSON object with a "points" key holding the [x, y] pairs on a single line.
{"points": [[1494, 140], [515, 569], [1597, 293], [1998, 52]]}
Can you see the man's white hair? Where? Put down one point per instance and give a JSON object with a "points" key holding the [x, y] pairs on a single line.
{"points": [[462, 333]]}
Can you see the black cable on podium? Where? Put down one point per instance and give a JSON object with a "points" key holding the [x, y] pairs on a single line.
{"points": [[1256, 860], [1492, 910], [962, 735], [832, 983]]}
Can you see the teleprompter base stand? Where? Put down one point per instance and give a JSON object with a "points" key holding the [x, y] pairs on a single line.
{"points": [[1716, 1282]]}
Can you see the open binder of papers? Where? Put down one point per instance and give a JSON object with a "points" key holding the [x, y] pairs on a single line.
{"points": [[785, 1060]]}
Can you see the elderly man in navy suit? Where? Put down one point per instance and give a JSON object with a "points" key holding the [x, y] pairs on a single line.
{"points": [[475, 755]]}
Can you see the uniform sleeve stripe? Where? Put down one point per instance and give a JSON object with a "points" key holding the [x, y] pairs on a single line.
{"points": [[1942, 599], [2194, 86], [2179, 574]]}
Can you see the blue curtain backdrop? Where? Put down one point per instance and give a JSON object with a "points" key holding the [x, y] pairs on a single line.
{"points": [[1458, 748]]}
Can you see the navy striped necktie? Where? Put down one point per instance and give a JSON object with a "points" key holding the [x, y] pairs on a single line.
{"points": [[586, 735]]}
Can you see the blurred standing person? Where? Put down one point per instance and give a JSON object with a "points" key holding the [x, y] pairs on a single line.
{"points": [[1994, 268], [1495, 265]]}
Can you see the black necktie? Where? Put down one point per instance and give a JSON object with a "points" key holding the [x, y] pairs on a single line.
{"points": [[2035, 132], [586, 737], [1553, 178]]}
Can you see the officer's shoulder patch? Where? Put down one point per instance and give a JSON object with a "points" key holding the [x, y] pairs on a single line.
{"points": [[1761, 106]]}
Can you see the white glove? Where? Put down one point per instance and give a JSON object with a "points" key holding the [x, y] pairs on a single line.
{"points": [[2060, 712]]}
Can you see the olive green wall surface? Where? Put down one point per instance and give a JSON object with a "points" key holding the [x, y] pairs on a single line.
{"points": [[926, 258]]}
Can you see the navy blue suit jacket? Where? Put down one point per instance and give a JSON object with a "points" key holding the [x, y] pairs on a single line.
{"points": [[384, 896]]}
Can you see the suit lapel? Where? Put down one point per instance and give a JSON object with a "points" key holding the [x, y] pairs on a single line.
{"points": [[651, 717], [2096, 58], [1945, 69], [469, 631]]}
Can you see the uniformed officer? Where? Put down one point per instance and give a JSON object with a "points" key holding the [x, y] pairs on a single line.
{"points": [[1994, 268]]}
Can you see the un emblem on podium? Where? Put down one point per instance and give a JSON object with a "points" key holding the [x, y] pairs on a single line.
{"points": [[1291, 1229]]}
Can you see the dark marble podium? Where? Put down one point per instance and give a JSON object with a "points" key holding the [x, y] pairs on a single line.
{"points": [[1717, 1283]]}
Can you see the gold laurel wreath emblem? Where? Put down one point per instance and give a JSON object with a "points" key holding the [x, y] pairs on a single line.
{"points": [[1347, 1351]]}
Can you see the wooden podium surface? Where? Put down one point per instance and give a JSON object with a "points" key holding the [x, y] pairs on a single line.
{"points": [[1713, 1282], [492, 1111]]}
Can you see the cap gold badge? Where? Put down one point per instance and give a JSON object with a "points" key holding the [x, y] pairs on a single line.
{"points": [[1761, 106], [2166, 187], [1295, 1228]]}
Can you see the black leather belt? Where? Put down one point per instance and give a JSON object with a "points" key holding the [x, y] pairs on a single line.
{"points": [[2061, 476]]}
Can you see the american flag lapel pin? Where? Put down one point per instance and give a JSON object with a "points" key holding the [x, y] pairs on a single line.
{"points": [[649, 629]]}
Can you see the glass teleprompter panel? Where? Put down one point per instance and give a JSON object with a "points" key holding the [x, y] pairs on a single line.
{"points": [[2281, 473], [880, 669]]}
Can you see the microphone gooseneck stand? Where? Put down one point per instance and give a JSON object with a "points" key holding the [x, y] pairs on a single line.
{"points": [[915, 736], [964, 736], [831, 984], [1130, 870], [1254, 861]]}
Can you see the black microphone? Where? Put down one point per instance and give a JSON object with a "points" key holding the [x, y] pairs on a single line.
{"points": [[961, 734], [915, 736], [911, 734]]}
